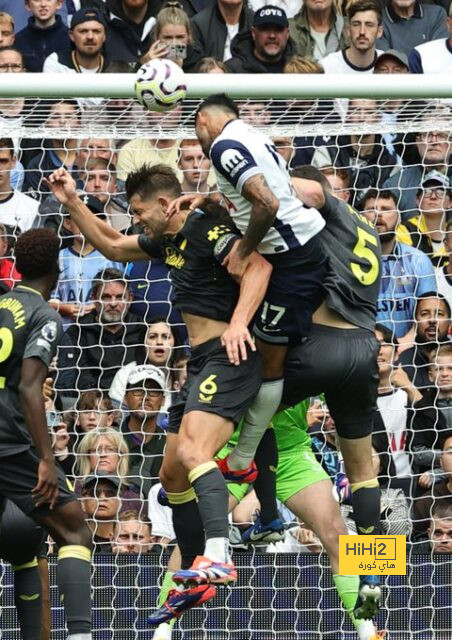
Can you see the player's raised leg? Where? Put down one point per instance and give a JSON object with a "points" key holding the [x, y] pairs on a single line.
{"points": [[357, 454], [188, 526]]}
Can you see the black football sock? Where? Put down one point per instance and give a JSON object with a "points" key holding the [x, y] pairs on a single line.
{"points": [[28, 599], [265, 485], [187, 525]]}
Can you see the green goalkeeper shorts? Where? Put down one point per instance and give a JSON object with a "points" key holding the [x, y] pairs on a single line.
{"points": [[295, 472]]}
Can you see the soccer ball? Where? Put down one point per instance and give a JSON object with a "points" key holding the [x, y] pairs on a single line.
{"points": [[160, 85]]}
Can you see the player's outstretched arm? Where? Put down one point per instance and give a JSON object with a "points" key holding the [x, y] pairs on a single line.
{"points": [[33, 375], [253, 285], [101, 235], [265, 206]]}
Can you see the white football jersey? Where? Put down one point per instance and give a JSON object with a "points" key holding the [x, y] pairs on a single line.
{"points": [[237, 154]]}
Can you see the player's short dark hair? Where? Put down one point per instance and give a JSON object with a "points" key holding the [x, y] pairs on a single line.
{"points": [[222, 101], [363, 5], [375, 194], [308, 172], [148, 181], [7, 143], [36, 253], [432, 294], [389, 337]]}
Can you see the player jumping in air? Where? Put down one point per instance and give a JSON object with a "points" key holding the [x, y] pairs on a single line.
{"points": [[224, 372], [29, 334], [339, 357], [256, 188]]}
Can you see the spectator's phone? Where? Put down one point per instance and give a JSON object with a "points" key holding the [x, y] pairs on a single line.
{"points": [[177, 52], [53, 420]]}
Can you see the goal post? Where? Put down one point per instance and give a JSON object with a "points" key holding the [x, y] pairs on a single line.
{"points": [[361, 130]]}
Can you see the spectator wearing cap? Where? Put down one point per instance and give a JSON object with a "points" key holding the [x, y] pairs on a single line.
{"points": [[102, 341], [318, 29], [79, 264], [407, 23], [44, 34], [104, 451], [87, 34], [130, 25], [432, 151], [392, 61], [6, 30], [266, 47], [435, 56], [215, 27], [427, 229], [364, 28], [144, 397], [101, 503]]}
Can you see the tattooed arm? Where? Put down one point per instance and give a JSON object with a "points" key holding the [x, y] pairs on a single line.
{"points": [[263, 212]]}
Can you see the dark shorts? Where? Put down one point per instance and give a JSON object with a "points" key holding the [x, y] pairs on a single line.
{"points": [[21, 539], [19, 475], [294, 292], [215, 386], [342, 364]]}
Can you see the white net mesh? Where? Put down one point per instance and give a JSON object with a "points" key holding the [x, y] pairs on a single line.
{"points": [[360, 144]]}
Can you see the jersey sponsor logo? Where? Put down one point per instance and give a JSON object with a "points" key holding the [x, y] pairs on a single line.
{"points": [[216, 232], [50, 331], [173, 258], [232, 161], [222, 243]]}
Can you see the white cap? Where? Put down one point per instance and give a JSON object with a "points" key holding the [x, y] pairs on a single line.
{"points": [[146, 372]]}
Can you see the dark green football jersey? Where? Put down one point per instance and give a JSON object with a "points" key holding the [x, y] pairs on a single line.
{"points": [[29, 328], [201, 284], [352, 246]]}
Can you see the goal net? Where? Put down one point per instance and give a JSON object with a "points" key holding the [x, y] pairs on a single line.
{"points": [[386, 151]]}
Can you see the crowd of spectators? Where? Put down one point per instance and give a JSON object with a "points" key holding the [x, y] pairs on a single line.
{"points": [[123, 356]]}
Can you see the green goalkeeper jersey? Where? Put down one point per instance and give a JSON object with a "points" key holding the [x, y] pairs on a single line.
{"points": [[291, 430]]}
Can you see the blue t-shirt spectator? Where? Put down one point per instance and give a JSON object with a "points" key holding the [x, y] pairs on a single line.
{"points": [[407, 273]]}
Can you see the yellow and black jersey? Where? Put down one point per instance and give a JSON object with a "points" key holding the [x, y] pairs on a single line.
{"points": [[352, 246], [201, 284]]}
